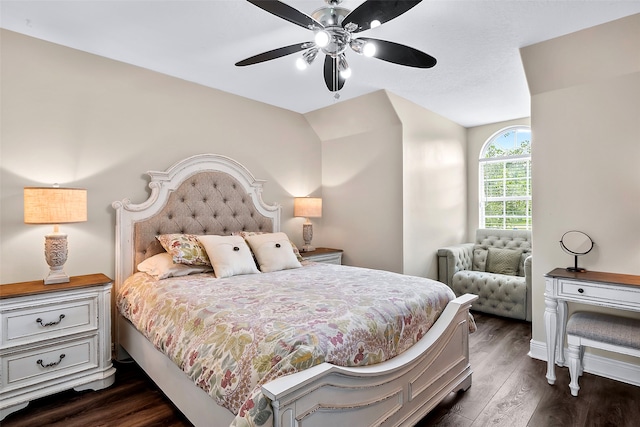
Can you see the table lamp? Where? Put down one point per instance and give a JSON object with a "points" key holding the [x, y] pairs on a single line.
{"points": [[307, 207], [55, 205]]}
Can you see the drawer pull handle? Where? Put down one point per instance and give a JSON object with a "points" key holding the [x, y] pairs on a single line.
{"points": [[580, 290], [52, 364], [39, 320]]}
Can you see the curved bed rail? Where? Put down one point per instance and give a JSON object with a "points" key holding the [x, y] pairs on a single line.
{"points": [[399, 391]]}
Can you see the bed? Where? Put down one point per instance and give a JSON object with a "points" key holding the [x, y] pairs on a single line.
{"points": [[397, 384]]}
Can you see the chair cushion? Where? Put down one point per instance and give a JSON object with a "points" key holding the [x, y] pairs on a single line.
{"points": [[503, 261]]}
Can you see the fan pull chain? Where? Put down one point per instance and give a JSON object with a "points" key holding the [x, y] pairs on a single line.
{"points": [[336, 81]]}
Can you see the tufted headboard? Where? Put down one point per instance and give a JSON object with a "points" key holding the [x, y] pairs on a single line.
{"points": [[203, 194]]}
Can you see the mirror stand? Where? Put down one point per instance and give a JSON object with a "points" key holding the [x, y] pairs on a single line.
{"points": [[576, 243], [575, 267]]}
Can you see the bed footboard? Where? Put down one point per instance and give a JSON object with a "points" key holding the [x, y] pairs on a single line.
{"points": [[397, 392]]}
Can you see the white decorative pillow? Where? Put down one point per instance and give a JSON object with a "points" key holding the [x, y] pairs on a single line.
{"points": [[229, 255], [246, 234], [161, 266], [273, 252]]}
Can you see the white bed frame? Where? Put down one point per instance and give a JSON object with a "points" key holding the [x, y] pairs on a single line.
{"points": [[397, 392]]}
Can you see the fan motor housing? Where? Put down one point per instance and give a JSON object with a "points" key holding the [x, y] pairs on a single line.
{"points": [[330, 16], [339, 40]]}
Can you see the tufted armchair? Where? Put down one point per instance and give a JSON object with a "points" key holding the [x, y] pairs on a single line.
{"points": [[497, 268]]}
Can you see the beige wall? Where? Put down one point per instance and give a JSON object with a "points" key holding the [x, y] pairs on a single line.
{"points": [[393, 182], [435, 193], [362, 180], [81, 120], [585, 113]]}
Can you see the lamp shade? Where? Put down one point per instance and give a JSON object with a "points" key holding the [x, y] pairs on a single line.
{"points": [[308, 207], [54, 205]]}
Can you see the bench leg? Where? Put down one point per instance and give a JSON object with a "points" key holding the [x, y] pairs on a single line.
{"points": [[581, 358], [575, 351]]}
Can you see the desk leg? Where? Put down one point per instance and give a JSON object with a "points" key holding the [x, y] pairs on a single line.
{"points": [[561, 331], [551, 328]]}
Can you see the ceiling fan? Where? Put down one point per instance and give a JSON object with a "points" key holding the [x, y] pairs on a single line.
{"points": [[335, 28]]}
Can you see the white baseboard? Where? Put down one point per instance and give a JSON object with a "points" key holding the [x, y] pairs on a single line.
{"points": [[603, 366]]}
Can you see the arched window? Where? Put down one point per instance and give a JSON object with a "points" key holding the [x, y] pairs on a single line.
{"points": [[505, 180]]}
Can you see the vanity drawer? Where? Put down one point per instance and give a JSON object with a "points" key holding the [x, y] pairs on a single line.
{"points": [[46, 363], [34, 323], [599, 294]]}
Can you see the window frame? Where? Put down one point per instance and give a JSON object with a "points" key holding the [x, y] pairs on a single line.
{"points": [[483, 200]]}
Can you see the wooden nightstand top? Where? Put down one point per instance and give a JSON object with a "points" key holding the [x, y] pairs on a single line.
{"points": [[34, 287], [320, 251]]}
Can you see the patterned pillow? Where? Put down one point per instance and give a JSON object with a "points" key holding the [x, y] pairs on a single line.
{"points": [[161, 266], [229, 255], [503, 261], [184, 248], [245, 234], [273, 252]]}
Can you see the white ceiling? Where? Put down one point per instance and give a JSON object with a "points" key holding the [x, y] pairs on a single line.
{"points": [[479, 77]]}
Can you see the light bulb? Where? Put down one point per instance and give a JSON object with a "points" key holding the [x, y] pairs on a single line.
{"points": [[362, 47], [369, 49], [375, 23], [343, 67], [301, 64], [322, 38]]}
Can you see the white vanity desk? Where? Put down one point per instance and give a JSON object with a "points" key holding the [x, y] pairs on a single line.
{"points": [[620, 291]]}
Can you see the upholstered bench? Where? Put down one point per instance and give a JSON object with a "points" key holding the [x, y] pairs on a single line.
{"points": [[603, 331]]}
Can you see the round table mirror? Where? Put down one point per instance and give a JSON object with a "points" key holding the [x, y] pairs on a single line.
{"points": [[576, 243]]}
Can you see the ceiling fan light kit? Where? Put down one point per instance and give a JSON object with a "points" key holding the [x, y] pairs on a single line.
{"points": [[362, 47], [334, 28]]}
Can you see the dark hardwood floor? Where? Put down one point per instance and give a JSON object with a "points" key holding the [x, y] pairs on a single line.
{"points": [[509, 389]]}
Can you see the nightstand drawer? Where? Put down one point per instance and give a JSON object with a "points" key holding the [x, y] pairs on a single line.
{"points": [[35, 323], [598, 293], [54, 338], [46, 363], [327, 259], [324, 255]]}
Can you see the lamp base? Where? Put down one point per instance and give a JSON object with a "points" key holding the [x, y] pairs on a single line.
{"points": [[56, 276], [55, 252], [307, 235]]}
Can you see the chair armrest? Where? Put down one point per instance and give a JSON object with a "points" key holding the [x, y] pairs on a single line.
{"points": [[528, 279], [452, 259]]}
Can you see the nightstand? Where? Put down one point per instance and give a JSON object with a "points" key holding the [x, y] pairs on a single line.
{"points": [[54, 338], [326, 255]]}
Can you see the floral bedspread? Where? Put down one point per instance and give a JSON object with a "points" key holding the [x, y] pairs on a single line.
{"points": [[232, 335]]}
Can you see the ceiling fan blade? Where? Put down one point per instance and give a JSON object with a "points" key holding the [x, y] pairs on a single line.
{"points": [[273, 54], [377, 10], [332, 76], [401, 54], [288, 13]]}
